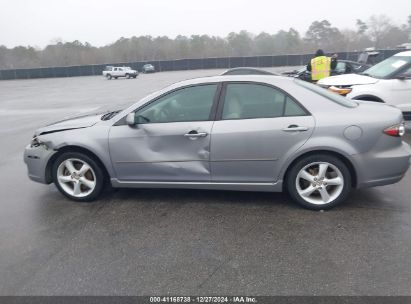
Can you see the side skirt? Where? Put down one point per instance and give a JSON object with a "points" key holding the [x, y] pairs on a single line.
{"points": [[263, 187]]}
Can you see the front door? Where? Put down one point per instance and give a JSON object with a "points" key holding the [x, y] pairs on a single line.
{"points": [[170, 142], [260, 126], [400, 94]]}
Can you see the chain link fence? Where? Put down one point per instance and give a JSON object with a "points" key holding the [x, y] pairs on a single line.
{"points": [[180, 64]]}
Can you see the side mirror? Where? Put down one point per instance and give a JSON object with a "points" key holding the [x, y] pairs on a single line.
{"points": [[131, 119]]}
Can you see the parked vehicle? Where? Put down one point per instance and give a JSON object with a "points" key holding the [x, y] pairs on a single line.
{"points": [[247, 133], [404, 46], [247, 71], [116, 72], [148, 68], [387, 82], [343, 67]]}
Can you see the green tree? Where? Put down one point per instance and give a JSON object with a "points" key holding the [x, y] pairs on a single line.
{"points": [[241, 44], [322, 34], [361, 27]]}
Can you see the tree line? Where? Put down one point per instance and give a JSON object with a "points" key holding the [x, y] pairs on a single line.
{"points": [[378, 31]]}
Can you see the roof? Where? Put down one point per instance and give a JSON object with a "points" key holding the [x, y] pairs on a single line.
{"points": [[407, 53], [227, 78]]}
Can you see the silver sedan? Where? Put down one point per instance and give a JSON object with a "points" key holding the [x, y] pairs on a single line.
{"points": [[243, 133]]}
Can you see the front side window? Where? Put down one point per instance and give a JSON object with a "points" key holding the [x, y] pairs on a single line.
{"points": [[246, 101], [187, 104]]}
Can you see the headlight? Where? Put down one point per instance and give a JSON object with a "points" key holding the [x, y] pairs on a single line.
{"points": [[36, 142], [341, 91]]}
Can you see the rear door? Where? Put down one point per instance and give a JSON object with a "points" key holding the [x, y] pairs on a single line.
{"points": [[258, 127], [171, 141]]}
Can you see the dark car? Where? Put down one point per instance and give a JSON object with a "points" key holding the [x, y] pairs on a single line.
{"points": [[247, 71], [343, 67], [148, 68]]}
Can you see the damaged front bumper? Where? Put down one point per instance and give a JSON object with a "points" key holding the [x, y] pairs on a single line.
{"points": [[36, 159]]}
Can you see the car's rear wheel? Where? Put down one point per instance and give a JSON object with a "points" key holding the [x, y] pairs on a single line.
{"points": [[78, 176], [108, 76], [319, 181]]}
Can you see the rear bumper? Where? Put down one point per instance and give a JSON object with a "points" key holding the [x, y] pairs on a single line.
{"points": [[383, 168], [36, 159]]}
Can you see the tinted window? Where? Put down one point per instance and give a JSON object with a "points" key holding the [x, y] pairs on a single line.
{"points": [[292, 108], [188, 104], [243, 101]]}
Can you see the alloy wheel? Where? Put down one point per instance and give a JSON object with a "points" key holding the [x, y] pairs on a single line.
{"points": [[76, 177], [319, 183]]}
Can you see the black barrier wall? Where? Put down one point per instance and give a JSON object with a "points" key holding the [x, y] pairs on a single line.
{"points": [[181, 64]]}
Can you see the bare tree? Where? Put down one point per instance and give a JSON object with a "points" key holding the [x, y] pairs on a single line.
{"points": [[378, 26], [378, 31]]}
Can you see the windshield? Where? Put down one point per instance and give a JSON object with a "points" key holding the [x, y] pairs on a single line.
{"points": [[388, 66], [343, 101]]}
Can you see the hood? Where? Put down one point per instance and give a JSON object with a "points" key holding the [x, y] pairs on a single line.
{"points": [[78, 122], [347, 80]]}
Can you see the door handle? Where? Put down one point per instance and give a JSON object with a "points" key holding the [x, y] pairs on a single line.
{"points": [[295, 128], [195, 134]]}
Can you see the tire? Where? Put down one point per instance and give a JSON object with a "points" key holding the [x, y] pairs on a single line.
{"points": [[115, 77], [128, 76], [108, 76], [69, 179], [311, 188], [135, 76]]}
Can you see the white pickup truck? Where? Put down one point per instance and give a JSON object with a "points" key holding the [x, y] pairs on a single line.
{"points": [[115, 72]]}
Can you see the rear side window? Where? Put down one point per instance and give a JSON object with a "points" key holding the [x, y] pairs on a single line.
{"points": [[343, 101], [247, 101]]}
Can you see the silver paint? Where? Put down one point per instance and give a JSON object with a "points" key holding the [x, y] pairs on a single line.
{"points": [[249, 154]]}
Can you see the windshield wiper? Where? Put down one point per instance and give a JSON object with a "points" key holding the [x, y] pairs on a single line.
{"points": [[110, 115]]}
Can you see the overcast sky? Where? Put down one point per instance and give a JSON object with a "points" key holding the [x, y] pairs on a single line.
{"points": [[100, 22]]}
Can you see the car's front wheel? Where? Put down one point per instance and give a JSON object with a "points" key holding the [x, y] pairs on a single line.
{"points": [[108, 76], [319, 181], [78, 176]]}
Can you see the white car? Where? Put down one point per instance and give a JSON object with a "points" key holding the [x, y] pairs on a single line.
{"points": [[388, 81], [115, 72]]}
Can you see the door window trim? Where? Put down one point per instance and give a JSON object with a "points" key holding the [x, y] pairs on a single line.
{"points": [[223, 93], [213, 109]]}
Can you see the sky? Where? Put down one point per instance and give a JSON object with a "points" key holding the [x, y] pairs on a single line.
{"points": [[101, 22]]}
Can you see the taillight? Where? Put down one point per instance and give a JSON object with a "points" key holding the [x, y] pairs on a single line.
{"points": [[397, 130]]}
